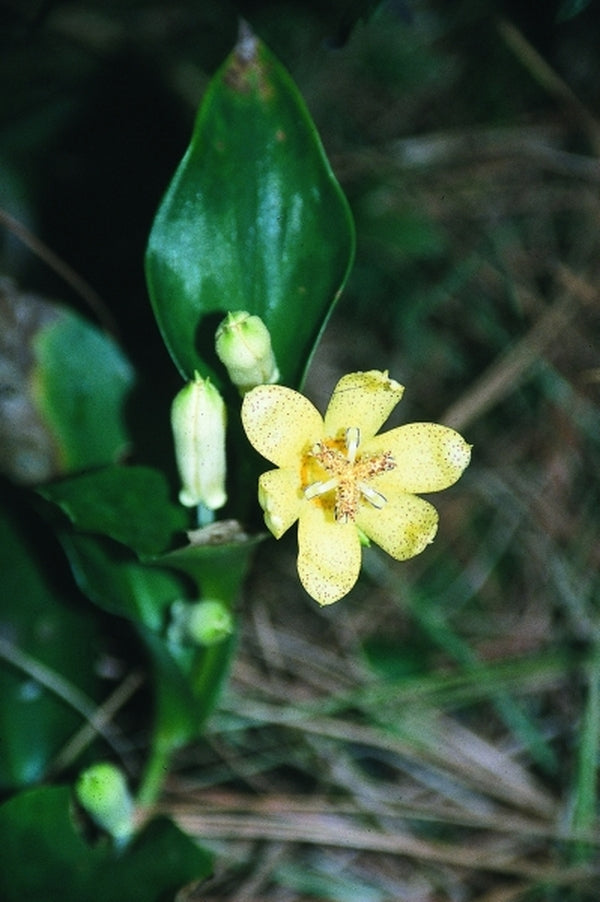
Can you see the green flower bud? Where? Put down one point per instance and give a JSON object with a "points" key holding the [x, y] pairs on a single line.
{"points": [[243, 345], [198, 419], [102, 791], [206, 622]]}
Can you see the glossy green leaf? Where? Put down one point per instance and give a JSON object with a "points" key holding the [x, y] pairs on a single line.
{"points": [[64, 388], [188, 679], [185, 681], [80, 383], [46, 662], [118, 582], [217, 567], [43, 856], [187, 684], [128, 504], [175, 719], [253, 220]]}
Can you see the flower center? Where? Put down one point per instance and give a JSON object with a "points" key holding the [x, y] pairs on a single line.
{"points": [[346, 474]]}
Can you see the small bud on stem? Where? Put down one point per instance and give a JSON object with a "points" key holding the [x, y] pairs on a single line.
{"points": [[243, 345], [198, 419], [205, 622], [102, 791]]}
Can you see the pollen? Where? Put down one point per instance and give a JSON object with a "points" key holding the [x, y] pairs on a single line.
{"points": [[335, 474]]}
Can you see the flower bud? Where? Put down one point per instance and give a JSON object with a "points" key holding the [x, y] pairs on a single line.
{"points": [[206, 622], [102, 791], [243, 345], [198, 421]]}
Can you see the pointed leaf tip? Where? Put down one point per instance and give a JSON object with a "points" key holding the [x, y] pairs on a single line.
{"points": [[247, 70], [246, 48]]}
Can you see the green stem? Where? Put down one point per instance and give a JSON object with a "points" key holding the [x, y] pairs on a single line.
{"points": [[157, 768], [205, 515]]}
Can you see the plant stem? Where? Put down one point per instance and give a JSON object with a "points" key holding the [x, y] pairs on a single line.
{"points": [[157, 768]]}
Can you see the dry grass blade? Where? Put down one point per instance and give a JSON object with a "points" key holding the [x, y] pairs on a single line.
{"points": [[549, 79], [505, 374], [331, 830], [103, 716], [432, 739], [68, 692]]}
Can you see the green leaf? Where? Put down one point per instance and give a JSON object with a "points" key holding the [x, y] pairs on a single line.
{"points": [[42, 856], [217, 567], [80, 382], [187, 683], [253, 220], [118, 582], [188, 679], [46, 668], [128, 504]]}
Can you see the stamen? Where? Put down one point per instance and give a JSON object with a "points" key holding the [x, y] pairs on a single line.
{"points": [[320, 488], [352, 442], [329, 458], [347, 474], [376, 498]]}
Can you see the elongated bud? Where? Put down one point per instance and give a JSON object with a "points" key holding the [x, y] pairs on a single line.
{"points": [[205, 622], [198, 418], [102, 791], [243, 344]]}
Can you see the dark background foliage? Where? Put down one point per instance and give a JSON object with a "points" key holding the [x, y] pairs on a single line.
{"points": [[436, 736]]}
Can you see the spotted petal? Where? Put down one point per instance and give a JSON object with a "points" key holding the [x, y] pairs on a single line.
{"points": [[280, 498], [329, 554], [280, 423], [363, 400], [403, 527], [428, 457]]}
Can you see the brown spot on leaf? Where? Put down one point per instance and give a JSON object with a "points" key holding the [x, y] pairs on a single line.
{"points": [[247, 70], [28, 453]]}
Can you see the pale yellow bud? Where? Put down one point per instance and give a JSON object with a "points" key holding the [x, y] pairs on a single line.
{"points": [[198, 419], [243, 344]]}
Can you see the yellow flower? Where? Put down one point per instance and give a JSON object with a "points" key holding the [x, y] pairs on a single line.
{"points": [[341, 480]]}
